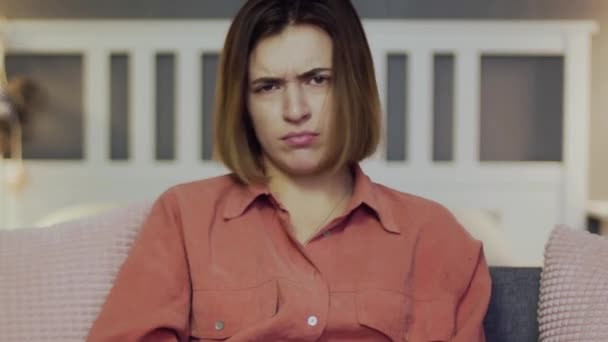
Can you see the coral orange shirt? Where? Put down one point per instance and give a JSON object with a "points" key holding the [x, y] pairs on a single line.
{"points": [[217, 260]]}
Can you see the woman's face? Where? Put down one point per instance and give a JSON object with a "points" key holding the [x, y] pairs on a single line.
{"points": [[290, 98]]}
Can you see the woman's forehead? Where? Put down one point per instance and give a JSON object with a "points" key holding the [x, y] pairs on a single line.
{"points": [[297, 49]]}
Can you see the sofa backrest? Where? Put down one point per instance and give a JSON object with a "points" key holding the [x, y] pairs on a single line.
{"points": [[512, 314], [53, 280]]}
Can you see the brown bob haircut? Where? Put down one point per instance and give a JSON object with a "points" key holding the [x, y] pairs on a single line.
{"points": [[356, 122]]}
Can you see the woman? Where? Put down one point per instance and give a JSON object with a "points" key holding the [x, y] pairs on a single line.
{"points": [[297, 244]]}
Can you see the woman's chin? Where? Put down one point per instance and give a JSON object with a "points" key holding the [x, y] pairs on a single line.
{"points": [[297, 163], [303, 170], [302, 167]]}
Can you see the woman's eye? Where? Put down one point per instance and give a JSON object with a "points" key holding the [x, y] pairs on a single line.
{"points": [[318, 80], [265, 88]]}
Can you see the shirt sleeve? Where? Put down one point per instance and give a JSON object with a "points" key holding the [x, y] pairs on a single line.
{"points": [[473, 304], [451, 280], [150, 299]]}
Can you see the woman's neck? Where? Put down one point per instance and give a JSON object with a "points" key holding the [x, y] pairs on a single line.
{"points": [[311, 191]]}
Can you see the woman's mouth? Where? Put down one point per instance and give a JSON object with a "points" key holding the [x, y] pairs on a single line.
{"points": [[300, 139]]}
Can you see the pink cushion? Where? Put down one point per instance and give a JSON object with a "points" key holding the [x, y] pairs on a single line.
{"points": [[573, 304], [54, 280]]}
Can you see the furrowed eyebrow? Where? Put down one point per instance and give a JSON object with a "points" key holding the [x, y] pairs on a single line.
{"points": [[306, 75]]}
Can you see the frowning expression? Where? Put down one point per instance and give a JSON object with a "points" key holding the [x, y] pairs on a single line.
{"points": [[290, 97]]}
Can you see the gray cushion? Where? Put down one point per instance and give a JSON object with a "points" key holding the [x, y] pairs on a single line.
{"points": [[512, 314]]}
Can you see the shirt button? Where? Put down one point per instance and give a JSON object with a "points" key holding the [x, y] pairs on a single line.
{"points": [[219, 325], [312, 321]]}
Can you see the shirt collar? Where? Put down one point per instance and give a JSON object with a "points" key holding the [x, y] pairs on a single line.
{"points": [[368, 193], [241, 196]]}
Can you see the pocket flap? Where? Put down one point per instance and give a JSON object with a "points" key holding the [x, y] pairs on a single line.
{"points": [[219, 314], [384, 311]]}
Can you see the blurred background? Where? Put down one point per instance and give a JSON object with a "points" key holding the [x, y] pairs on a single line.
{"points": [[521, 98], [48, 144]]}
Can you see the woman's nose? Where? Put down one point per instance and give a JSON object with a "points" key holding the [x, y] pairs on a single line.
{"points": [[296, 109]]}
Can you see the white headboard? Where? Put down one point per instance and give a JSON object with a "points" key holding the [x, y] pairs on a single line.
{"points": [[529, 197]]}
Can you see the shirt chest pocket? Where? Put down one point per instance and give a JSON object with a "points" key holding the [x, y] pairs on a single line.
{"points": [[384, 311], [220, 314]]}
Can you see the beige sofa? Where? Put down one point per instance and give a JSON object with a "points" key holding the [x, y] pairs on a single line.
{"points": [[54, 280]]}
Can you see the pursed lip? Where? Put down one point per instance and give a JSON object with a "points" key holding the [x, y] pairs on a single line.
{"points": [[300, 139], [298, 134]]}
